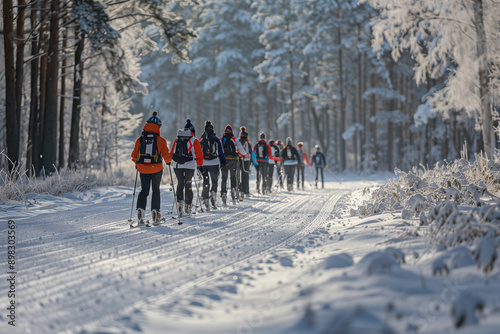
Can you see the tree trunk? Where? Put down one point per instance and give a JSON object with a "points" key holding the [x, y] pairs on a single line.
{"points": [[51, 111], [10, 89], [61, 105], [20, 59], [484, 87], [292, 105], [32, 152], [74, 149], [342, 153], [43, 81]]}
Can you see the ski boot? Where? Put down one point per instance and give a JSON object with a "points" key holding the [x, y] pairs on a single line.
{"points": [[212, 199], [188, 209], [180, 206], [140, 217], [224, 198], [233, 196], [156, 215]]}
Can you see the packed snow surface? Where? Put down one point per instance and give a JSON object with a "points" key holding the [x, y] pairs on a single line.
{"points": [[289, 262]]}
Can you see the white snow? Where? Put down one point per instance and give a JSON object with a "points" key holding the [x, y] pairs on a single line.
{"points": [[282, 263]]}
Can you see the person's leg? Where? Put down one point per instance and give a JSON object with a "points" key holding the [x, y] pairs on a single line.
{"points": [[155, 185], [205, 193], [179, 174], [144, 193], [270, 172], [246, 177], [225, 172], [232, 170], [259, 172], [188, 175], [264, 172]]}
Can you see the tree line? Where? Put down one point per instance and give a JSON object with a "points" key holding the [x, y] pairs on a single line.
{"points": [[376, 84]]}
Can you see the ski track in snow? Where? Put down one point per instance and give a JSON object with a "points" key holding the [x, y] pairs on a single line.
{"points": [[84, 266]]}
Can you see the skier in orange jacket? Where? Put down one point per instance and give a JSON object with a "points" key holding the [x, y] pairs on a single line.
{"points": [[149, 153]]}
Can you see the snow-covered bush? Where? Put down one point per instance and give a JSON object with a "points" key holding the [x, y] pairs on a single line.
{"points": [[458, 202], [16, 185]]}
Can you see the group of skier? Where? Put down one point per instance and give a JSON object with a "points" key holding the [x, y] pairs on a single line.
{"points": [[212, 155]]}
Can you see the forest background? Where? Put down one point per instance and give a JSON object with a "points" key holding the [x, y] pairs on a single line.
{"points": [[377, 84]]}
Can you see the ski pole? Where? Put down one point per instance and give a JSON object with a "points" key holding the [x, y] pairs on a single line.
{"points": [[133, 196]]}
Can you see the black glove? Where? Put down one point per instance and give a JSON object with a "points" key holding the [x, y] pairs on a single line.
{"points": [[200, 168]]}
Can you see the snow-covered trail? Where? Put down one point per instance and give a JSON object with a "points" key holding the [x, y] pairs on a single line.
{"points": [[80, 266]]}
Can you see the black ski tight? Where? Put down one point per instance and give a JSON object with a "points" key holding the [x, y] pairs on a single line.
{"points": [[289, 171], [228, 168], [318, 170], [184, 184], [245, 176], [210, 173], [150, 181], [262, 175], [300, 174]]}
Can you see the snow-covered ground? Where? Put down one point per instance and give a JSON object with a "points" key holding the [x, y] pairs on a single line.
{"points": [[282, 263]]}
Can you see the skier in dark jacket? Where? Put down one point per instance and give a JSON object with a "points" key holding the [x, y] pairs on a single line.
{"points": [[301, 167], [213, 158], [232, 151], [263, 153], [273, 162], [245, 162], [319, 162], [291, 160]]}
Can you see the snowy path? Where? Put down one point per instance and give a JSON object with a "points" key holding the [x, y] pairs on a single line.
{"points": [[81, 265]]}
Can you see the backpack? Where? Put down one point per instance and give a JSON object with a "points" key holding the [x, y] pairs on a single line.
{"points": [[228, 147], [317, 158], [289, 152], [182, 153], [148, 149], [261, 149], [209, 148]]}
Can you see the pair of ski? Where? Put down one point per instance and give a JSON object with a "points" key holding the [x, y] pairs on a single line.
{"points": [[147, 223]]}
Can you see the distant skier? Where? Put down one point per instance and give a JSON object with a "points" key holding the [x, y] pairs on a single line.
{"points": [[150, 151], [262, 152], [319, 161], [291, 159], [186, 151], [279, 164], [245, 162], [304, 160], [232, 151], [213, 158], [274, 161]]}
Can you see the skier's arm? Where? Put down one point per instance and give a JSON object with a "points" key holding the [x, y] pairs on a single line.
{"points": [[164, 152], [270, 153], [222, 157], [172, 149], [241, 150], [135, 152], [306, 158], [198, 152]]}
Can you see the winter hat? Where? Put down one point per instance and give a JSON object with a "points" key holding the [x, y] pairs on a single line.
{"points": [[300, 144], [243, 132], [317, 148], [262, 135], [189, 126], [209, 127], [228, 129], [154, 119], [289, 141], [271, 142]]}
